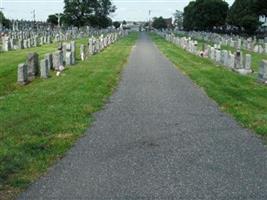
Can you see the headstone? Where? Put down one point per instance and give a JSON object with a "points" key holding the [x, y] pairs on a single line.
{"points": [[238, 60], [22, 73], [6, 44], [57, 60], [82, 52], [263, 71], [20, 44], [49, 59], [73, 50], [231, 60], [248, 62], [44, 69], [224, 57], [69, 58], [218, 56], [265, 48], [33, 64], [212, 53]]}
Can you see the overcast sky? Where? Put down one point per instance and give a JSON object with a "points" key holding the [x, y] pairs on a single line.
{"points": [[131, 10]]}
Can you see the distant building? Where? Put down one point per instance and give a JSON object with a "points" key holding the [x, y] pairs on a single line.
{"points": [[169, 23]]}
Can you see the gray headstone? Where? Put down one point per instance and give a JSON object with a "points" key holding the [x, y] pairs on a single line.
{"points": [[44, 69], [33, 64], [238, 60], [49, 59], [57, 60], [69, 58], [73, 50], [248, 62], [22, 74], [82, 52], [263, 71]]}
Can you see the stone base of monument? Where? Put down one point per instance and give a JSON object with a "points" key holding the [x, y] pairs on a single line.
{"points": [[243, 71]]}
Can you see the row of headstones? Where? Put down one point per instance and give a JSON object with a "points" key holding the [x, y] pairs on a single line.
{"points": [[237, 62], [237, 42], [64, 56], [13, 42], [56, 61]]}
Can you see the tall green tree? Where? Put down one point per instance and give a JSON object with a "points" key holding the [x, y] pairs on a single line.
{"points": [[244, 14], [178, 19], [159, 23], [116, 24], [260, 7], [205, 14], [88, 12], [4, 21]]}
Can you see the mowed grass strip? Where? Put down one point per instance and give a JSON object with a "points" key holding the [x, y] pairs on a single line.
{"points": [[9, 63], [241, 96], [42, 120]]}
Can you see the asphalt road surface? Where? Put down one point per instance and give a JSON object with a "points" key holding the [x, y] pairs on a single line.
{"points": [[159, 137]]}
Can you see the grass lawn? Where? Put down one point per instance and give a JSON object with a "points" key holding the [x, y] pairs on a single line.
{"points": [[42, 120], [241, 96]]}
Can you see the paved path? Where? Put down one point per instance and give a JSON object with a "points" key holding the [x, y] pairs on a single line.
{"points": [[160, 137]]}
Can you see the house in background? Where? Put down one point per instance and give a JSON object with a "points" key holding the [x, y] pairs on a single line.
{"points": [[168, 22]]}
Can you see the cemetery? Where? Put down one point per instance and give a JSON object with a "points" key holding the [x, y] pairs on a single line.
{"points": [[109, 99]]}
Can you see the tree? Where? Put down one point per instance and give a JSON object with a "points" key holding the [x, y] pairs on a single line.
{"points": [[88, 12], [159, 23], [116, 24], [178, 19], [205, 14], [260, 7], [52, 19], [244, 14], [4, 21]]}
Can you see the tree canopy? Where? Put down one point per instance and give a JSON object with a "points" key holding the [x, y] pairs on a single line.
{"points": [[205, 14], [244, 14], [178, 19], [159, 23], [4, 21], [116, 24], [88, 12]]}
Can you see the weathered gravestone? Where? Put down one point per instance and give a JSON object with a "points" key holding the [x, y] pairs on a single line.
{"points": [[263, 71], [57, 60], [238, 60], [44, 69], [82, 52], [231, 60], [22, 74], [33, 64], [49, 58], [73, 50], [225, 57], [6, 46]]}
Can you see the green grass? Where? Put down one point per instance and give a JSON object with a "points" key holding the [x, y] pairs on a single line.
{"points": [[42, 120], [241, 96], [9, 62]]}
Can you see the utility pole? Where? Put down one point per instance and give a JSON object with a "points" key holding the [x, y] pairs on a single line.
{"points": [[149, 20], [34, 18]]}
